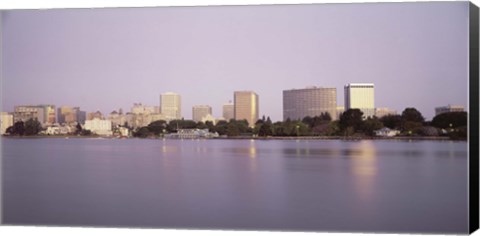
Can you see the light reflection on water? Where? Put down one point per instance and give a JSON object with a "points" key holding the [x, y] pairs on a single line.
{"points": [[321, 185], [364, 169]]}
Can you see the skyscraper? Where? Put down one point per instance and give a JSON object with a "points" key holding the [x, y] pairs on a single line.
{"points": [[246, 106], [170, 105], [312, 101], [62, 113], [228, 111], [360, 96], [200, 111]]}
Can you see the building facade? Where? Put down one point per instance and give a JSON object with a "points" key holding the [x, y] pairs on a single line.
{"points": [[449, 108], [64, 113], [384, 111], [93, 115], [69, 115], [6, 120], [228, 111], [312, 101], [246, 106], [201, 111], [170, 105], [139, 108], [45, 114], [360, 96], [81, 116], [24, 113], [50, 116], [98, 126]]}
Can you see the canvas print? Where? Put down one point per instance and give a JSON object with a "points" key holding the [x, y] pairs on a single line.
{"points": [[311, 117]]}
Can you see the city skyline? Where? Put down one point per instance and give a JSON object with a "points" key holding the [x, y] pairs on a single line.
{"points": [[412, 52], [175, 98]]}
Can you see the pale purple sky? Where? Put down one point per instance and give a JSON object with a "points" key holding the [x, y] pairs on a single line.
{"points": [[416, 54]]}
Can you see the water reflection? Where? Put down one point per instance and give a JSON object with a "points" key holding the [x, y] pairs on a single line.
{"points": [[363, 168], [252, 150]]}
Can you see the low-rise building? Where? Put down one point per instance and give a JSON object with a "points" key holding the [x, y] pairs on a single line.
{"points": [[386, 132], [98, 126], [58, 130], [449, 108], [192, 134]]}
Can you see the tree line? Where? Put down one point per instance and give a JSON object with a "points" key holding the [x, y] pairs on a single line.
{"points": [[351, 123]]}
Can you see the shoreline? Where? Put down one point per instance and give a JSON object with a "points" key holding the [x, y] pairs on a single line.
{"points": [[404, 138]]}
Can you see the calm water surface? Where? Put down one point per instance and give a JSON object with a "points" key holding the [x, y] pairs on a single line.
{"points": [[316, 185]]}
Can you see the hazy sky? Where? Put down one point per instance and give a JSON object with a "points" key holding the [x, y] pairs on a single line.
{"points": [[416, 54]]}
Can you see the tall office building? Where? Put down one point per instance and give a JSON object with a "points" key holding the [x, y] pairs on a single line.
{"points": [[228, 111], [81, 116], [311, 101], [360, 96], [45, 114], [245, 106], [170, 105], [200, 112], [64, 112]]}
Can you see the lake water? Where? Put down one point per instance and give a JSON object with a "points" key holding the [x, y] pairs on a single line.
{"points": [[314, 185]]}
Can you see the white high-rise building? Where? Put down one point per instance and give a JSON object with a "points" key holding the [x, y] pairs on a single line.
{"points": [[360, 96], [201, 111], [170, 105]]}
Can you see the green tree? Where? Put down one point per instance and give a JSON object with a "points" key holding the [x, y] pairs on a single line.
{"points": [[142, 132], [174, 125], [411, 127], [78, 129], [32, 127], [266, 129], [18, 128], [86, 132], [157, 127], [200, 125], [450, 120], [232, 129], [322, 119], [460, 133], [210, 126], [333, 128], [9, 130], [413, 115], [412, 121], [221, 127], [351, 121], [370, 125], [392, 121]]}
